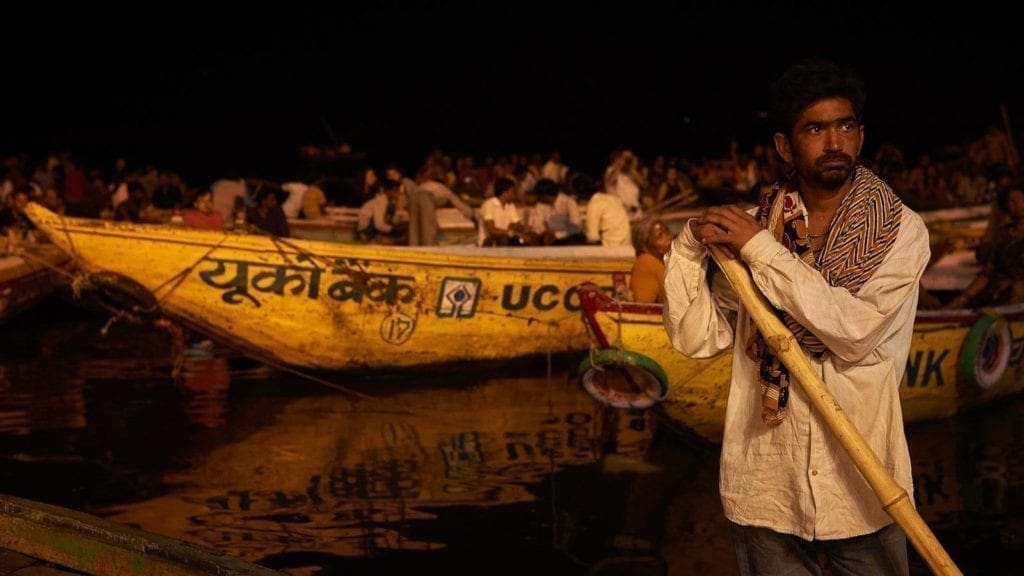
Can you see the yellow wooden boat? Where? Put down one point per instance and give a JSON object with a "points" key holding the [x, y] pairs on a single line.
{"points": [[959, 359], [335, 306], [30, 274]]}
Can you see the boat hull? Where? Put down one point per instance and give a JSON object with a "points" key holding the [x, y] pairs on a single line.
{"points": [[29, 276], [332, 306], [959, 359]]}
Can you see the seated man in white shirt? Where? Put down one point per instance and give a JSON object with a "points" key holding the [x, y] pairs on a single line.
{"points": [[562, 219], [500, 224], [607, 222]]}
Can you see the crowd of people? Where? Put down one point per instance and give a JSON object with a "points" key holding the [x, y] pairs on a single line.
{"points": [[514, 200]]}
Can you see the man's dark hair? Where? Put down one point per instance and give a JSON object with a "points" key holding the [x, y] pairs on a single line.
{"points": [[807, 81], [501, 185], [546, 188], [583, 186]]}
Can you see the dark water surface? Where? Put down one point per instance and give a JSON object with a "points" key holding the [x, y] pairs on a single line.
{"points": [[480, 470]]}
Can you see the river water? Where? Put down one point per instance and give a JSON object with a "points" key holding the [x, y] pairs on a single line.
{"points": [[496, 469]]}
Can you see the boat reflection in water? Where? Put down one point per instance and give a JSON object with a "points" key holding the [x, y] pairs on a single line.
{"points": [[351, 477], [496, 470]]}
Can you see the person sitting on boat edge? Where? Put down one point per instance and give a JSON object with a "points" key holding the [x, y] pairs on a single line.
{"points": [[267, 216], [130, 209], [500, 224], [647, 278], [202, 215], [607, 222], [1001, 281], [383, 219], [562, 222]]}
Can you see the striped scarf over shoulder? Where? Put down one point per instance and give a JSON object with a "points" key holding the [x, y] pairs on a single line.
{"points": [[862, 232]]}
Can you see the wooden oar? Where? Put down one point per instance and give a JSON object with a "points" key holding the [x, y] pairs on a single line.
{"points": [[783, 344]]}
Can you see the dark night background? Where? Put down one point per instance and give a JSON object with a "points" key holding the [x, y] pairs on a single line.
{"points": [[197, 91]]}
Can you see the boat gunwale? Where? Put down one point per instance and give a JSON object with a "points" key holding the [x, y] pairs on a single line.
{"points": [[575, 258]]}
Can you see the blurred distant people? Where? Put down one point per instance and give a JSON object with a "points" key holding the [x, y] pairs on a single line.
{"points": [[130, 209], [500, 224], [676, 188], [1001, 281], [75, 188], [202, 215], [384, 218], [994, 152], [166, 194], [622, 178], [314, 200], [607, 222], [267, 216], [560, 213], [424, 199], [225, 191], [554, 168], [292, 205], [14, 223]]}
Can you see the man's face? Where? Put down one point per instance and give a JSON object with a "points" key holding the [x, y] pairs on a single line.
{"points": [[824, 143], [20, 201], [661, 238], [204, 203]]}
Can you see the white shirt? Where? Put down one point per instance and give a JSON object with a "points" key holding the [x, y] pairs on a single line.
{"points": [[538, 217], [796, 478], [627, 190], [607, 221], [293, 203], [501, 214], [224, 193], [567, 208]]}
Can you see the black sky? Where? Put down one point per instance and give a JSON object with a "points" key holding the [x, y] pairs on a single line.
{"points": [[195, 91]]}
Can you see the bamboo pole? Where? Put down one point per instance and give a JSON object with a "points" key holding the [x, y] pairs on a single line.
{"points": [[894, 499]]}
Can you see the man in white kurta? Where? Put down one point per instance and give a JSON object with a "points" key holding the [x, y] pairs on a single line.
{"points": [[869, 335], [840, 258]]}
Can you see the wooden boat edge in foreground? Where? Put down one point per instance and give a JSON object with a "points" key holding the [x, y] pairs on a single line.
{"points": [[96, 546]]}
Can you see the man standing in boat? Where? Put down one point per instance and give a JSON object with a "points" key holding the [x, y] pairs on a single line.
{"points": [[840, 258]]}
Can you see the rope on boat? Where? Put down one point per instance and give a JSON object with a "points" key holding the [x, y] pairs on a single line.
{"points": [[141, 301], [58, 268]]}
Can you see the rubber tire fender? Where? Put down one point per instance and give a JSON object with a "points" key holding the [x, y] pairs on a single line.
{"points": [[651, 379], [985, 352], [118, 294]]}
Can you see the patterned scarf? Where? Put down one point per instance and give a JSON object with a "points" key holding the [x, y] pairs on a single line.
{"points": [[861, 234]]}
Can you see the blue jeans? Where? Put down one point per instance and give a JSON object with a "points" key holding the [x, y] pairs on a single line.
{"points": [[764, 552]]}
